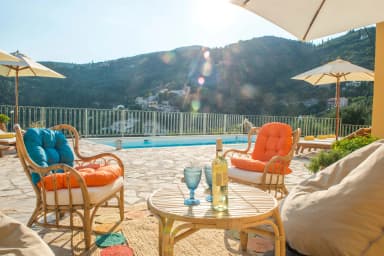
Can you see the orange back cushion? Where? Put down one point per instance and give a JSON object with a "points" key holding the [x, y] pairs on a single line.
{"points": [[273, 139], [93, 175]]}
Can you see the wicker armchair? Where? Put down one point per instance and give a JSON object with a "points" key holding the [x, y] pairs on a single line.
{"points": [[81, 200], [266, 166]]}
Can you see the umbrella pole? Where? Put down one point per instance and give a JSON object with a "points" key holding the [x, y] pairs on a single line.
{"points": [[337, 107], [16, 117]]}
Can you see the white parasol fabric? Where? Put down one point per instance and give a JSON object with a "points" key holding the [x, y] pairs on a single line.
{"points": [[4, 56], [312, 19], [25, 66]]}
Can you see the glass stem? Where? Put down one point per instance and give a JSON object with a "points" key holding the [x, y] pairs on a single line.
{"points": [[192, 194]]}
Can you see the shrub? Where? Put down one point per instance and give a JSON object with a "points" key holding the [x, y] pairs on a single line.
{"points": [[4, 118], [339, 150], [348, 145]]}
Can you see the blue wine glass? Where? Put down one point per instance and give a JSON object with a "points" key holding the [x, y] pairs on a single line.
{"points": [[208, 180], [192, 177]]}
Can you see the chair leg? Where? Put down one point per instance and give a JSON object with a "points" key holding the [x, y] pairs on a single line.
{"points": [[285, 190], [87, 228], [121, 204], [35, 213]]}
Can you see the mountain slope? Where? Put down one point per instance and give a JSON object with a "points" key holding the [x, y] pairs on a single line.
{"points": [[250, 76]]}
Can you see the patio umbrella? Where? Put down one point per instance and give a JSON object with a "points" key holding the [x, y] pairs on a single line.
{"points": [[25, 66], [4, 56], [308, 20], [335, 72]]}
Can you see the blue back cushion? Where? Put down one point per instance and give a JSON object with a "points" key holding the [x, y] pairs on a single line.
{"points": [[47, 147]]}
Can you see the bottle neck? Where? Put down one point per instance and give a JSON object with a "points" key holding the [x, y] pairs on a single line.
{"points": [[219, 153]]}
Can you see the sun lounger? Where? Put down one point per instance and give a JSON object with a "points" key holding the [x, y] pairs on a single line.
{"points": [[314, 144], [6, 140]]}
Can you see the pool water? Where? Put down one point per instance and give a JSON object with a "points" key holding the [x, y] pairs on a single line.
{"points": [[170, 141]]}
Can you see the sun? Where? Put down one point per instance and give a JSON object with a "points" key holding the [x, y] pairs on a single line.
{"points": [[213, 14]]}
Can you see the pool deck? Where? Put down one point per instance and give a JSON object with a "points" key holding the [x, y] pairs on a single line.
{"points": [[146, 170]]}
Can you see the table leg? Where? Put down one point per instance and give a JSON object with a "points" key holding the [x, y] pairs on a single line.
{"points": [[161, 221], [166, 241], [281, 237], [243, 240]]}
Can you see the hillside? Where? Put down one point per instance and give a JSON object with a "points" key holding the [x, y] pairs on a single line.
{"points": [[250, 76]]}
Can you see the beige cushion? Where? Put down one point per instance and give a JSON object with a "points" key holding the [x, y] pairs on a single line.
{"points": [[17, 239], [250, 176], [339, 211], [96, 194]]}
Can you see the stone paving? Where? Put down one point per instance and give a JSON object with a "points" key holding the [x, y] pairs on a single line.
{"points": [[146, 170]]}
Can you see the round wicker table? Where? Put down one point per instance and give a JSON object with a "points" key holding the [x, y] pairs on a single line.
{"points": [[249, 209]]}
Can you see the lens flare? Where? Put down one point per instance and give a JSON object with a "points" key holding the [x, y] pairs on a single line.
{"points": [[201, 80], [195, 105], [168, 57], [248, 91], [219, 100], [206, 69], [206, 55]]}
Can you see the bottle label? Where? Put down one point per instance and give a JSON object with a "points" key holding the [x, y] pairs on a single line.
{"points": [[221, 174], [221, 179]]}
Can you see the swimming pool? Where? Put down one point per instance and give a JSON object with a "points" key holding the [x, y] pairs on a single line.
{"points": [[169, 141]]}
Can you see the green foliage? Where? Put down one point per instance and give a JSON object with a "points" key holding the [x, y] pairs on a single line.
{"points": [[324, 159], [358, 112], [4, 118], [347, 146], [339, 150]]}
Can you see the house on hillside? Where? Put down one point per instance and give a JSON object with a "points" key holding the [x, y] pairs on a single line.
{"points": [[331, 102]]}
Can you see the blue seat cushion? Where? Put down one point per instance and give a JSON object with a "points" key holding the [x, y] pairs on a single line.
{"points": [[47, 147]]}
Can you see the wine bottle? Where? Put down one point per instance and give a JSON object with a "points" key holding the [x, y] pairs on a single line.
{"points": [[219, 179]]}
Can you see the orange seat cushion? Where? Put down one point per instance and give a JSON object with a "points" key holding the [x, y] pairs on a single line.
{"points": [[258, 166], [94, 175], [273, 139]]}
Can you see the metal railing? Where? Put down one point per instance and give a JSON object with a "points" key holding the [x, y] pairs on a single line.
{"points": [[107, 122]]}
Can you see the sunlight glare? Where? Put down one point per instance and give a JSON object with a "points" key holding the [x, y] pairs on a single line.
{"points": [[201, 80], [214, 14]]}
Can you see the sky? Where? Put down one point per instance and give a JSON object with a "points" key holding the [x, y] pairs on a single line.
{"points": [[83, 31]]}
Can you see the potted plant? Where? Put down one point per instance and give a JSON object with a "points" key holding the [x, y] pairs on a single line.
{"points": [[4, 119]]}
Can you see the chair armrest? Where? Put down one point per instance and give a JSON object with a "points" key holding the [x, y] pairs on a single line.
{"points": [[252, 131], [103, 157], [236, 151], [284, 160], [76, 150], [66, 168], [73, 173]]}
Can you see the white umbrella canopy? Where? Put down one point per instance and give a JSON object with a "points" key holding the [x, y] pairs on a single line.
{"points": [[328, 73], [4, 56], [25, 66], [312, 19], [336, 72]]}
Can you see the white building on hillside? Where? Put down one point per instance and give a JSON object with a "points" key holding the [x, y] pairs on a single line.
{"points": [[331, 103]]}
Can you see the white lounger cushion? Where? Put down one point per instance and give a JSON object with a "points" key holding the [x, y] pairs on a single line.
{"points": [[96, 194], [251, 176]]}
